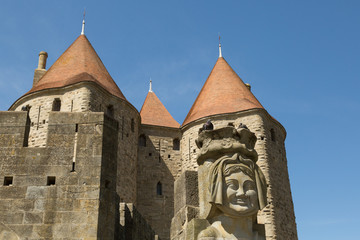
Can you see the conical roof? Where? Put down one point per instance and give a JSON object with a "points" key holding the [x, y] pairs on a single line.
{"points": [[79, 63], [153, 112], [223, 92]]}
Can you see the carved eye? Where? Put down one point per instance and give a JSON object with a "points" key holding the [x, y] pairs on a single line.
{"points": [[232, 185], [249, 185]]}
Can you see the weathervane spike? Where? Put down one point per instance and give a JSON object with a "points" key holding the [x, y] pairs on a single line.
{"points": [[150, 88], [220, 54], [83, 25]]}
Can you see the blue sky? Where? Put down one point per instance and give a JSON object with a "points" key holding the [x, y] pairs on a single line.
{"points": [[302, 59]]}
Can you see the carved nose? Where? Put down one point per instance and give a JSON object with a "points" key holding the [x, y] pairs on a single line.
{"points": [[240, 192]]}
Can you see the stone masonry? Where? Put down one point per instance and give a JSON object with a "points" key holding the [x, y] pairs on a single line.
{"points": [[78, 161], [158, 163], [278, 216]]}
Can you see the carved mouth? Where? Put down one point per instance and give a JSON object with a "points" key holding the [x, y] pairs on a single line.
{"points": [[240, 201]]}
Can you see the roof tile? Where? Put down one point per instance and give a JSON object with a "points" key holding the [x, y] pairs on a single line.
{"points": [[153, 112], [78, 63], [223, 92]]}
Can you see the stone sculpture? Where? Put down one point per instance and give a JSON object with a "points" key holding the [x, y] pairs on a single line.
{"points": [[236, 187]]}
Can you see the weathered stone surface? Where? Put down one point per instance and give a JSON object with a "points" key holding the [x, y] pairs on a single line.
{"points": [[111, 168], [186, 190], [279, 220], [162, 167]]}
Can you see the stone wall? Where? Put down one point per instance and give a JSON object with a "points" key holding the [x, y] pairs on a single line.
{"points": [[133, 225], [278, 216], [72, 100], [128, 119], [158, 163], [186, 204], [46, 198], [89, 97]]}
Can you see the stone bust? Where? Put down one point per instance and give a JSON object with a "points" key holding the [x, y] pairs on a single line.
{"points": [[236, 184]]}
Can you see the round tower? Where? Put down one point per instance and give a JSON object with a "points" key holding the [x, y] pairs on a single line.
{"points": [[159, 164], [78, 82], [226, 100]]}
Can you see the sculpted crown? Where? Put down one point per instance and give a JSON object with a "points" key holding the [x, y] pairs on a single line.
{"points": [[226, 140]]}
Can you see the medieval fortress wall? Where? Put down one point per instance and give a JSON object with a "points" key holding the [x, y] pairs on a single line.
{"points": [[89, 98], [72, 100], [43, 197], [159, 165], [78, 164]]}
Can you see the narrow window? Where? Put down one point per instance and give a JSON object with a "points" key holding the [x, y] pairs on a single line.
{"points": [[51, 180], [176, 144], [56, 104], [132, 125], [73, 167], [27, 131], [159, 189], [142, 140], [8, 181], [110, 110], [272, 132], [169, 156], [150, 154], [76, 127]]}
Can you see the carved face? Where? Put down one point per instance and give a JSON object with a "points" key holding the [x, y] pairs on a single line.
{"points": [[240, 196]]}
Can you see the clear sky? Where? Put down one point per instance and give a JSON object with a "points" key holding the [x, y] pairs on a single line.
{"points": [[302, 59]]}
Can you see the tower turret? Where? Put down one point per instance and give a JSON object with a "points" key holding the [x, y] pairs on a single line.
{"points": [[228, 101]]}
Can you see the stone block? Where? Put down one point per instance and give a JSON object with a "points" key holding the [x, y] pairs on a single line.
{"points": [[33, 218], [181, 218], [43, 231], [12, 192], [36, 192], [194, 227], [23, 231], [186, 190], [52, 217], [11, 217]]}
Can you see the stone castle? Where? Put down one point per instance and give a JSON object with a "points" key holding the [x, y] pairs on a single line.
{"points": [[78, 161]]}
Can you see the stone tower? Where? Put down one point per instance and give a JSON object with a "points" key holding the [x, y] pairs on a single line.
{"points": [[69, 153], [227, 101], [159, 164]]}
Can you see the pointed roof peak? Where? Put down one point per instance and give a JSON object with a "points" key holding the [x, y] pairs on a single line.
{"points": [[79, 63], [83, 25], [220, 54], [153, 112], [223, 92], [150, 86]]}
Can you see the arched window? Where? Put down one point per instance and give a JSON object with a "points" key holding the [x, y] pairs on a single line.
{"points": [[142, 140], [272, 133], [132, 125], [110, 110], [159, 189], [176, 144], [56, 104]]}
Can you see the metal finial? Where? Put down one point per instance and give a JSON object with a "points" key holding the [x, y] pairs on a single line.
{"points": [[83, 25], [220, 54], [150, 88]]}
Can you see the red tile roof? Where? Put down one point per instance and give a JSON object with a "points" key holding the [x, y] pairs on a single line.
{"points": [[79, 63], [153, 112], [223, 92]]}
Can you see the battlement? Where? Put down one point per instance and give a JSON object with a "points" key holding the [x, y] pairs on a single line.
{"points": [[55, 190]]}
